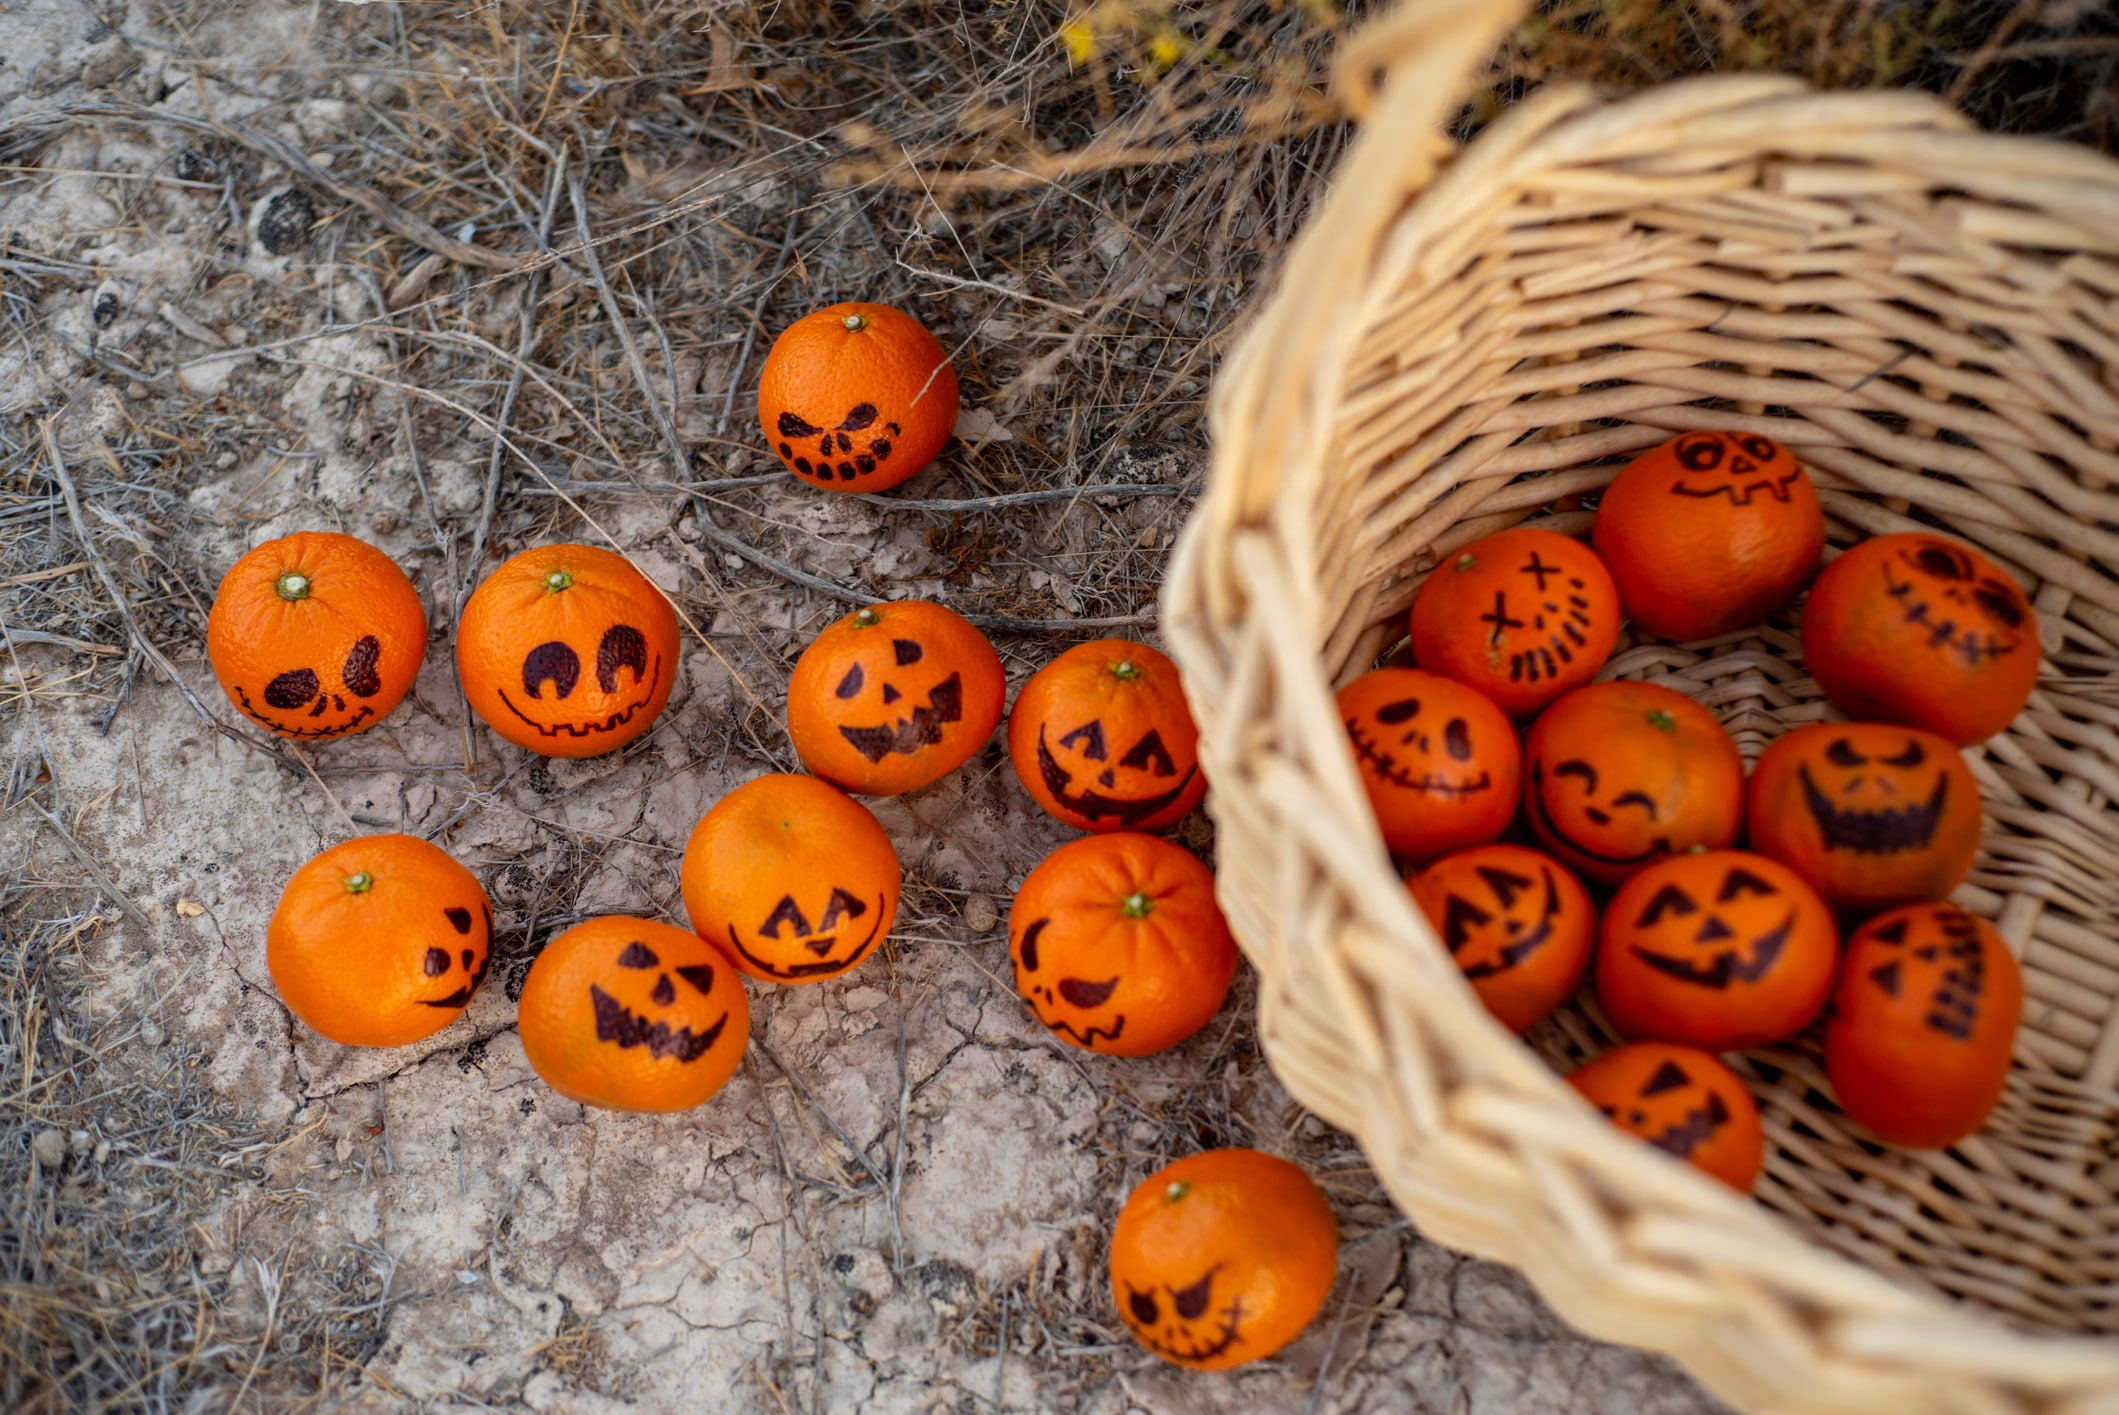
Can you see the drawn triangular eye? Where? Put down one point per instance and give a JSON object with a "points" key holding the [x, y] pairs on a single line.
{"points": [[842, 905], [1091, 736], [850, 684], [1741, 881], [1459, 918], [1506, 884], [1668, 1077], [792, 426], [785, 912], [1668, 900], [637, 955], [1142, 1305], [908, 651], [1842, 753], [1912, 756], [1191, 1302], [699, 975], [1149, 752]]}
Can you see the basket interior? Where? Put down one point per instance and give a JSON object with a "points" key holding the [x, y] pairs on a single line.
{"points": [[1938, 341]]}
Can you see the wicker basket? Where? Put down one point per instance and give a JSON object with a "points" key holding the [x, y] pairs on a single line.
{"points": [[1464, 339]]}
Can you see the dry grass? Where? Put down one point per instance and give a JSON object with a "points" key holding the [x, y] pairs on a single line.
{"points": [[575, 228]]}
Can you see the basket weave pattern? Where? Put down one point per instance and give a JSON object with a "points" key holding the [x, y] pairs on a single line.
{"points": [[1929, 317]]}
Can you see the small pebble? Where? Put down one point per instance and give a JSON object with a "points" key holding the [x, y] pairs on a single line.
{"points": [[49, 1147], [78, 1140], [136, 390], [343, 1149], [980, 915], [102, 1152], [151, 1032]]}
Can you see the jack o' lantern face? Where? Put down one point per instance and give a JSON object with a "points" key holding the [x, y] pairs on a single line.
{"points": [[1118, 944], [853, 446], [1737, 466], [1720, 941], [1603, 820], [792, 878], [1624, 773], [625, 679], [786, 934], [466, 965], [894, 696], [1684, 1102], [903, 729], [305, 703], [1721, 949], [1923, 1022], [1872, 814], [1131, 782], [567, 650], [1519, 926], [1084, 997], [1966, 614], [1865, 805], [1183, 1323], [1519, 937], [1699, 1117], [634, 1013], [1439, 761]]}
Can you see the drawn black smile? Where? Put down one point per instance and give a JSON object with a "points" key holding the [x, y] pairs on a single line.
{"points": [[1379, 760], [366, 712], [814, 945], [1095, 804], [583, 729]]}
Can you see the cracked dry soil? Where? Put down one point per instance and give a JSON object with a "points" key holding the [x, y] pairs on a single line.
{"points": [[900, 1201]]}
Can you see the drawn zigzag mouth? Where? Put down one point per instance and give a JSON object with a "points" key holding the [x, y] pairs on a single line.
{"points": [[582, 729], [1884, 832], [1697, 1128], [615, 1022], [366, 712], [907, 735], [1386, 766], [1206, 1351], [1095, 804]]}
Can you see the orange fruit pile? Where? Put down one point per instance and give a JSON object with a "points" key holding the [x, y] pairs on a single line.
{"points": [[1635, 788]]}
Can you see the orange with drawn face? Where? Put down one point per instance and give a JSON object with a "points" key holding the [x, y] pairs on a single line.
{"points": [[1684, 1102], [1439, 761], [1710, 532], [1522, 616], [856, 397], [795, 879], [894, 697], [630, 1014], [1102, 738], [1118, 944], [1222, 1258], [1619, 775], [1923, 1024], [379, 941], [1518, 924], [316, 635], [1924, 631], [567, 650]]}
